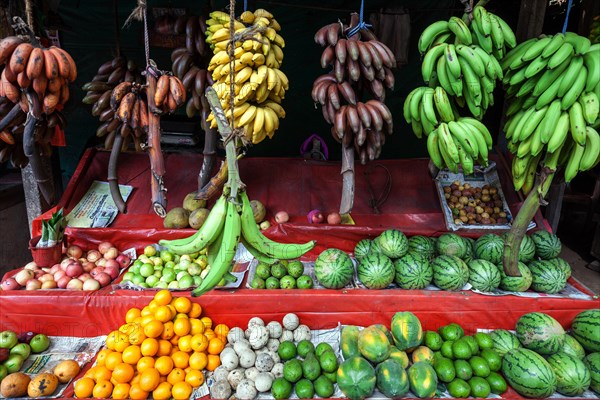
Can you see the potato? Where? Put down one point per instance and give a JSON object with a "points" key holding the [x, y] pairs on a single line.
{"points": [[14, 385]]}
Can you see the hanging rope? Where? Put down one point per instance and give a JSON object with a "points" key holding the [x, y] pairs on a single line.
{"points": [[361, 23], [569, 4], [375, 202], [245, 5], [117, 30], [29, 13], [140, 14], [231, 50]]}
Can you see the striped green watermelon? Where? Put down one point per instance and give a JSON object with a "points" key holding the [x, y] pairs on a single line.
{"points": [[392, 379], [393, 243], [586, 329], [423, 379], [592, 361], [546, 277], [407, 330], [376, 271], [362, 248], [489, 247], [572, 347], [450, 272], [451, 244], [528, 373], [334, 269], [572, 376], [516, 283], [483, 275], [422, 245], [526, 250], [540, 332], [504, 341], [562, 264], [413, 271], [356, 378], [470, 253], [547, 245]]}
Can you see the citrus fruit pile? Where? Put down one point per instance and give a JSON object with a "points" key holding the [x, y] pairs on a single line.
{"points": [[160, 351]]}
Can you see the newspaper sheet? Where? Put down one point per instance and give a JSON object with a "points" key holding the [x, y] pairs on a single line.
{"points": [[96, 209]]}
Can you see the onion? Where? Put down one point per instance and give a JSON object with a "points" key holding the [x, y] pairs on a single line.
{"points": [[334, 218], [23, 276], [315, 217], [111, 253], [281, 217], [104, 247], [93, 256], [91, 284], [33, 284], [10, 284], [75, 284], [74, 251]]}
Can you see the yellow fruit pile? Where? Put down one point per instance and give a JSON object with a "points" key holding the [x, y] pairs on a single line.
{"points": [[159, 351]]}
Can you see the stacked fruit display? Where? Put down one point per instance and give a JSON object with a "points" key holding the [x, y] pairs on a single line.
{"points": [[260, 85], [15, 349], [43, 384], [281, 275], [475, 205], [161, 350]]}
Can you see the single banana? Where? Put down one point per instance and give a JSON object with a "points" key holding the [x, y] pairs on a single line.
{"points": [[590, 106], [570, 75], [592, 63], [430, 33], [257, 254], [574, 162], [442, 104], [577, 124], [434, 150], [428, 106], [550, 121], [430, 60], [591, 151], [531, 124], [553, 45], [447, 142], [559, 136], [460, 30]]}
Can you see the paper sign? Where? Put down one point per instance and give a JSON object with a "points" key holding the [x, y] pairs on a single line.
{"points": [[96, 209]]}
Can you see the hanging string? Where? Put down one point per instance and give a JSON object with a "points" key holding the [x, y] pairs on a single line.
{"points": [[231, 51], [569, 4], [245, 5], [361, 23], [140, 14]]}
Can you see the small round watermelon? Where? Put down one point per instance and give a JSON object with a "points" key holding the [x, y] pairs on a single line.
{"points": [[562, 264], [413, 271], [592, 361], [393, 243], [516, 283], [334, 269], [483, 275], [504, 341], [572, 375], [451, 244], [450, 272], [526, 250], [586, 329], [547, 277], [470, 253], [572, 347], [547, 245], [362, 248], [376, 271], [423, 245], [540, 332], [489, 247]]}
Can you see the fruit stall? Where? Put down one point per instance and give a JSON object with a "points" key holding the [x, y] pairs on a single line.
{"points": [[227, 273]]}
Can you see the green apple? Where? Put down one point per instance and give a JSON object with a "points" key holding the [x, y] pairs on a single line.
{"points": [[194, 269], [146, 270], [8, 339], [161, 285], [128, 276], [14, 363], [3, 371], [181, 274], [173, 285], [39, 343], [151, 280], [22, 349], [138, 279], [186, 281]]}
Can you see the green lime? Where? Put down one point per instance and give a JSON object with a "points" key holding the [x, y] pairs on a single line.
{"points": [[287, 282], [444, 368], [328, 361], [258, 283], [295, 268], [138, 279], [322, 348], [479, 387], [128, 276], [292, 370], [472, 344], [167, 256], [278, 271], [272, 283], [484, 340], [446, 349], [281, 389], [493, 359], [463, 369], [304, 389], [459, 388], [151, 280], [496, 382], [263, 271], [323, 387], [284, 263], [305, 347], [461, 349], [304, 282], [480, 366], [146, 270], [287, 350], [332, 376], [451, 331], [433, 340]]}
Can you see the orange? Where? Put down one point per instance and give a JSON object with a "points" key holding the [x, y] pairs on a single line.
{"points": [[123, 373], [153, 329], [181, 315], [137, 320], [196, 310], [102, 374], [198, 360], [149, 347], [221, 330], [164, 348], [102, 356], [180, 359], [176, 375], [136, 379], [153, 305], [146, 319], [173, 310], [215, 346], [163, 297], [181, 391], [121, 391], [213, 362], [144, 363], [162, 391], [163, 314], [167, 332], [115, 339], [137, 336], [207, 322], [174, 340], [102, 390], [199, 342], [137, 393], [182, 304], [209, 333], [197, 326], [132, 314], [126, 328], [146, 311], [84, 387], [149, 379], [185, 343], [181, 326], [91, 373], [112, 360], [164, 365], [132, 354], [194, 378]]}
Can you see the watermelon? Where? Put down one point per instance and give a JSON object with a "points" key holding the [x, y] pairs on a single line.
{"points": [[349, 341], [334, 269], [528, 373], [572, 376], [586, 329], [373, 344], [546, 277], [407, 330], [547, 245], [483, 275], [470, 253], [422, 245], [489, 247], [376, 271], [356, 378], [562, 264], [572, 347], [526, 250], [592, 361], [413, 271], [392, 379], [516, 283], [362, 248], [540, 332], [451, 244], [423, 379], [393, 243], [450, 272], [504, 341]]}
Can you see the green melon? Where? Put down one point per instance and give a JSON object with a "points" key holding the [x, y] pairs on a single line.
{"points": [[362, 248], [407, 330], [516, 283], [399, 356], [546, 277], [504, 341], [373, 344], [422, 245], [586, 329], [572, 347], [592, 361], [528, 373], [540, 332], [470, 253], [376, 271], [483, 275], [489, 247], [450, 272], [392, 379], [572, 376], [526, 250], [334, 269], [356, 378], [423, 379], [451, 244], [413, 271], [547, 245], [393, 243], [562, 264]]}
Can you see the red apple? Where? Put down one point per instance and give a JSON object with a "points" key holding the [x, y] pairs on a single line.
{"points": [[23, 276], [111, 253], [38, 273], [93, 256], [282, 217], [315, 217], [75, 284], [62, 282], [10, 284], [59, 274], [32, 266], [96, 271], [91, 284], [88, 266], [123, 260], [334, 218], [47, 270], [104, 247], [49, 285], [101, 262], [33, 284], [65, 262], [74, 269], [103, 278], [112, 270], [84, 277], [46, 277], [74, 251]]}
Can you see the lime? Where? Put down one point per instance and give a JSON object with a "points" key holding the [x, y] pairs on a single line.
{"points": [[166, 255], [479, 387], [304, 282], [444, 368], [322, 348], [157, 273], [287, 282], [263, 271], [194, 269], [287, 350], [151, 280], [173, 285], [458, 388], [144, 285], [461, 349], [128, 276], [446, 349], [197, 280], [452, 331], [149, 251], [484, 340], [138, 279], [284, 263], [472, 344], [463, 369], [168, 275], [186, 282], [146, 270], [433, 340], [292, 370], [281, 389], [323, 387], [278, 271], [311, 369], [493, 359], [295, 268], [305, 347], [162, 285], [136, 264], [332, 376], [480, 366], [328, 361], [496, 382], [304, 389], [272, 283], [258, 283]]}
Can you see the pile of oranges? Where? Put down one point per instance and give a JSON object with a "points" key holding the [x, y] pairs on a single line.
{"points": [[160, 351]]}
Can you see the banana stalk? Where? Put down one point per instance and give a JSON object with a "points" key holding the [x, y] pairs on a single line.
{"points": [[208, 161], [113, 177], [157, 162], [347, 201]]}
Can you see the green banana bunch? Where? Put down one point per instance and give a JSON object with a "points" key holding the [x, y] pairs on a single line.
{"points": [[425, 108]]}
